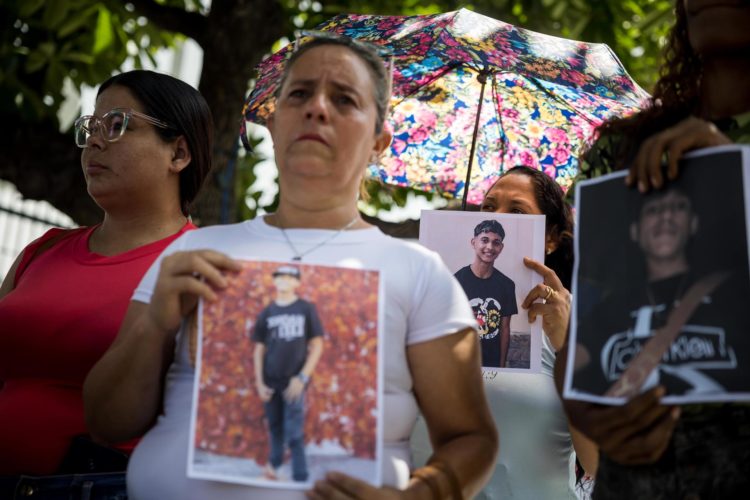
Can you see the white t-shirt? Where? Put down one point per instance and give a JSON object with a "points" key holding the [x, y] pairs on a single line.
{"points": [[422, 302], [536, 459]]}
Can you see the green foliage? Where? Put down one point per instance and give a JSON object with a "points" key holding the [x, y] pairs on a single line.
{"points": [[45, 43], [248, 199]]}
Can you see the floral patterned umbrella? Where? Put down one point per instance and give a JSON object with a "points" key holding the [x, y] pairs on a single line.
{"points": [[471, 90]]}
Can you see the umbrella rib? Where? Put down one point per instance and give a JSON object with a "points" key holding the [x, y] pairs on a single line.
{"points": [[482, 77], [503, 137], [448, 68], [559, 99]]}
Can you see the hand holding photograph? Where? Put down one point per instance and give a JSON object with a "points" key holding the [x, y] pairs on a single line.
{"points": [[660, 285], [485, 252]]}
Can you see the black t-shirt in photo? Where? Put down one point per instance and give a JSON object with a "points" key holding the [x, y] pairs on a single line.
{"points": [[707, 357], [491, 299], [285, 331]]}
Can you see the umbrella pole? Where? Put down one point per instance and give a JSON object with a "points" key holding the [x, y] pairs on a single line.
{"points": [[482, 77]]}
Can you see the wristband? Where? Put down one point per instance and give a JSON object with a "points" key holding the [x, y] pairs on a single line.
{"points": [[304, 378]]}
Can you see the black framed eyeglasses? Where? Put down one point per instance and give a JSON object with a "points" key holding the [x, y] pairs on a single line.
{"points": [[111, 126]]}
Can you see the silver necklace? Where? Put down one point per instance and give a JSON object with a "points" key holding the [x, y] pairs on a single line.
{"points": [[298, 255]]}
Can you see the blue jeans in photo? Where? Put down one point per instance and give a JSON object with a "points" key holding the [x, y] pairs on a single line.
{"points": [[286, 422]]}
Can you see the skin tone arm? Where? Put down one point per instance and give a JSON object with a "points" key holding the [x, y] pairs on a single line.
{"points": [[296, 385], [586, 451], [555, 313], [123, 391], [461, 429], [264, 392], [636, 433], [504, 340]]}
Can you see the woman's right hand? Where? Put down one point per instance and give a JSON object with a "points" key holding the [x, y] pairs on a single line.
{"points": [[555, 310], [184, 277], [635, 433]]}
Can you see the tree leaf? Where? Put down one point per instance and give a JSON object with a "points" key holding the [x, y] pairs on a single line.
{"points": [[103, 35]]}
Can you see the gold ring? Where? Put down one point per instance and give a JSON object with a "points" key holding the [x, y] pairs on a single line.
{"points": [[550, 291]]}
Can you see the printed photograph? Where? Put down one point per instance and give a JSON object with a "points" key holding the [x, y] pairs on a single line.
{"points": [[288, 377], [485, 252], [660, 284]]}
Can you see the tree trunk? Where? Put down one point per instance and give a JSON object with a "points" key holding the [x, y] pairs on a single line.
{"points": [[237, 34], [45, 165]]}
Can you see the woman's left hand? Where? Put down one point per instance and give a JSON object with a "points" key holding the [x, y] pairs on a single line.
{"points": [[555, 311], [691, 133], [340, 486]]}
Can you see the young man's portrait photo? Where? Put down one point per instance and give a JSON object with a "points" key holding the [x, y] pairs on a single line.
{"points": [[485, 251], [288, 377], [491, 293], [678, 273]]}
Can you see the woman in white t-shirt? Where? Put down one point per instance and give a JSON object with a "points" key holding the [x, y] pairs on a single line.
{"points": [[536, 459], [327, 126]]}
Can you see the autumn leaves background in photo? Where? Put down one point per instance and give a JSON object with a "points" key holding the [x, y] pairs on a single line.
{"points": [[341, 400]]}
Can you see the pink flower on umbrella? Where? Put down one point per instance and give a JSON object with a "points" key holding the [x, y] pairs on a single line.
{"points": [[398, 146], [557, 135], [528, 159], [560, 155], [419, 135], [509, 113]]}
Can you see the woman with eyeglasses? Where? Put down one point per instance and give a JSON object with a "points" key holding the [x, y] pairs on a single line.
{"points": [[327, 125], [145, 153]]}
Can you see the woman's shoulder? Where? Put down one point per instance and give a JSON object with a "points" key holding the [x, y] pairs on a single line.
{"points": [[46, 241], [409, 250], [210, 236]]}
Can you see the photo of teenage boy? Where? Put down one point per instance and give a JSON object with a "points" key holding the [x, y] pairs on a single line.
{"points": [[492, 294], [703, 359], [289, 342]]}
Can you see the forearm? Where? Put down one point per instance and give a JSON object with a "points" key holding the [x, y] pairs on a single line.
{"points": [[471, 457], [586, 451], [504, 340], [123, 391], [452, 400], [258, 354]]}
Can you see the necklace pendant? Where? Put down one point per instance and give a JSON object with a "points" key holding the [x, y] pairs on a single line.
{"points": [[297, 258]]}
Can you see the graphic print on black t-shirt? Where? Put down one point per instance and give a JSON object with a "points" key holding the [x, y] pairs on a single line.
{"points": [[285, 331], [703, 359], [491, 299]]}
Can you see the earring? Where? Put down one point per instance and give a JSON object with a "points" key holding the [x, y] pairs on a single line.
{"points": [[549, 250]]}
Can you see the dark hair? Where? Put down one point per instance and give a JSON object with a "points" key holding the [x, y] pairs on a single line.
{"points": [[187, 113], [676, 95], [373, 61], [551, 200], [640, 200], [292, 271], [490, 226]]}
